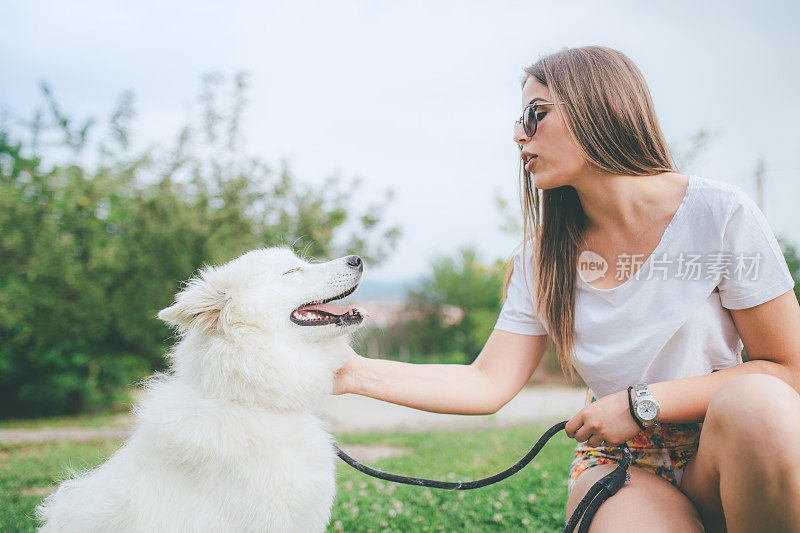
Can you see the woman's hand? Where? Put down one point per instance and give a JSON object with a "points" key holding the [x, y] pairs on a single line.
{"points": [[344, 379], [607, 419]]}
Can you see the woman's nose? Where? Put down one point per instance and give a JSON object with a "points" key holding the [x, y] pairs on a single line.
{"points": [[519, 134]]}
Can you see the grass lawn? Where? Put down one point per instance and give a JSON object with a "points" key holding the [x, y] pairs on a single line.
{"points": [[533, 499], [100, 420]]}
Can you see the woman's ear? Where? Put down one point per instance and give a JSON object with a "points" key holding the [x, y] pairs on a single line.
{"points": [[200, 305]]}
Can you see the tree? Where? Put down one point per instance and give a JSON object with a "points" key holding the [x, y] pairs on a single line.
{"points": [[450, 314], [91, 251]]}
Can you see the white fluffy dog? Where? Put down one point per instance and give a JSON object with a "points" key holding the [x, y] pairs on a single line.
{"points": [[227, 439]]}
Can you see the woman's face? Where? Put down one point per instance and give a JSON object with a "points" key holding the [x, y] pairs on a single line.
{"points": [[558, 161]]}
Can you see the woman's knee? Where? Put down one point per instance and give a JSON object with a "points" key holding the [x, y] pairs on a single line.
{"points": [[752, 409]]}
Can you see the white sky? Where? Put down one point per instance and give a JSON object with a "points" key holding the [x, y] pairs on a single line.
{"points": [[419, 96]]}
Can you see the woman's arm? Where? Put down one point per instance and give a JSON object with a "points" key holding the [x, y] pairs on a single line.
{"points": [[771, 335], [504, 365]]}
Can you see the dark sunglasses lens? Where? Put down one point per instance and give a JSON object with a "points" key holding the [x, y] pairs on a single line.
{"points": [[529, 121]]}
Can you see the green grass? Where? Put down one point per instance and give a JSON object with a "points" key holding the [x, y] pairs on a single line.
{"points": [[533, 499], [99, 420], [26, 470]]}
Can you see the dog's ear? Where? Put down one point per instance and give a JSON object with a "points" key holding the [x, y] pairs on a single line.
{"points": [[202, 305]]}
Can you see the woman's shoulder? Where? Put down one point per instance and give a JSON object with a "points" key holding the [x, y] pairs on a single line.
{"points": [[716, 193], [714, 200]]}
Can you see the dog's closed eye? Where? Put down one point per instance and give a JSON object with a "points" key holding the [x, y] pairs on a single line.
{"points": [[295, 269]]}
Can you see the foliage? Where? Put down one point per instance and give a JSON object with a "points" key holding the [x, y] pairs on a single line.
{"points": [[792, 257], [449, 315], [92, 248]]}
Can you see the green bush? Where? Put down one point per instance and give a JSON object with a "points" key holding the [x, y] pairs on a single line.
{"points": [[91, 252], [448, 316]]}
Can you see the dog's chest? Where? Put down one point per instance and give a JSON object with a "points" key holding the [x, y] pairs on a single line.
{"points": [[260, 473], [295, 472]]}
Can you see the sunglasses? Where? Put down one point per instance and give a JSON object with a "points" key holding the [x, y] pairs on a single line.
{"points": [[531, 116]]}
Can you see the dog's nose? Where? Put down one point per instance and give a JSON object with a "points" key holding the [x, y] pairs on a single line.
{"points": [[355, 262]]}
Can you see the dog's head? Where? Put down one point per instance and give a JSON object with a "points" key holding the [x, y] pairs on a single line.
{"points": [[265, 320], [271, 289]]}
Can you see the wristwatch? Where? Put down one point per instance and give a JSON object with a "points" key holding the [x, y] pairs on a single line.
{"points": [[645, 406]]}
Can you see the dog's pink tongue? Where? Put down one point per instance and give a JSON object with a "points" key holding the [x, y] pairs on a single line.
{"points": [[330, 308], [336, 309]]}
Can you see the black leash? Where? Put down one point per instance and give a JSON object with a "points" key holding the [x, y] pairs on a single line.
{"points": [[600, 491]]}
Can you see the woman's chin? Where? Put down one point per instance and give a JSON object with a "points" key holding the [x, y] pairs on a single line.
{"points": [[544, 182], [540, 181]]}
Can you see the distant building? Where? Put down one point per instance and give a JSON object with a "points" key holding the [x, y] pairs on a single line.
{"points": [[386, 312], [382, 312]]}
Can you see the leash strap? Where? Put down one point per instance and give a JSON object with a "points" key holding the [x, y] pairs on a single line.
{"points": [[600, 491], [603, 489], [449, 485]]}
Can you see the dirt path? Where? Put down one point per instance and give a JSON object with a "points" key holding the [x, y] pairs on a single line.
{"points": [[545, 404], [351, 413]]}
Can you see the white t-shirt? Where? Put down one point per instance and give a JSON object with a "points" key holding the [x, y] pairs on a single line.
{"points": [[670, 320]]}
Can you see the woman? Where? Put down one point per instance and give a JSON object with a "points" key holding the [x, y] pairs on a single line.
{"points": [[669, 314]]}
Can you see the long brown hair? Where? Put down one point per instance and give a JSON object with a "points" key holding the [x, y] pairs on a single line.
{"points": [[610, 116]]}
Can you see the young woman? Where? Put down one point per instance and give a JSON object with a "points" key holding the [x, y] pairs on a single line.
{"points": [[644, 277]]}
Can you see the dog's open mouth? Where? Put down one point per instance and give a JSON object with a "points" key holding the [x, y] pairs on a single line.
{"points": [[322, 313]]}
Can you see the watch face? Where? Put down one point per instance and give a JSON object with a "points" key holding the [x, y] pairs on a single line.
{"points": [[646, 409]]}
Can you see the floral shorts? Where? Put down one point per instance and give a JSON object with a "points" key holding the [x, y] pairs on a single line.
{"points": [[663, 450]]}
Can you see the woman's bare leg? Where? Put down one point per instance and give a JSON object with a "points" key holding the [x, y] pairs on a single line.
{"points": [[745, 476], [645, 503]]}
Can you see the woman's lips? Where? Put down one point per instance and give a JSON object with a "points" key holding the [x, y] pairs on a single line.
{"points": [[529, 165]]}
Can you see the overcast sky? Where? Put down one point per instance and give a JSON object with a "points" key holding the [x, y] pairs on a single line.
{"points": [[420, 96]]}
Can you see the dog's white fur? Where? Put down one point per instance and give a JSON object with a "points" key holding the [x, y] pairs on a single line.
{"points": [[227, 439]]}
